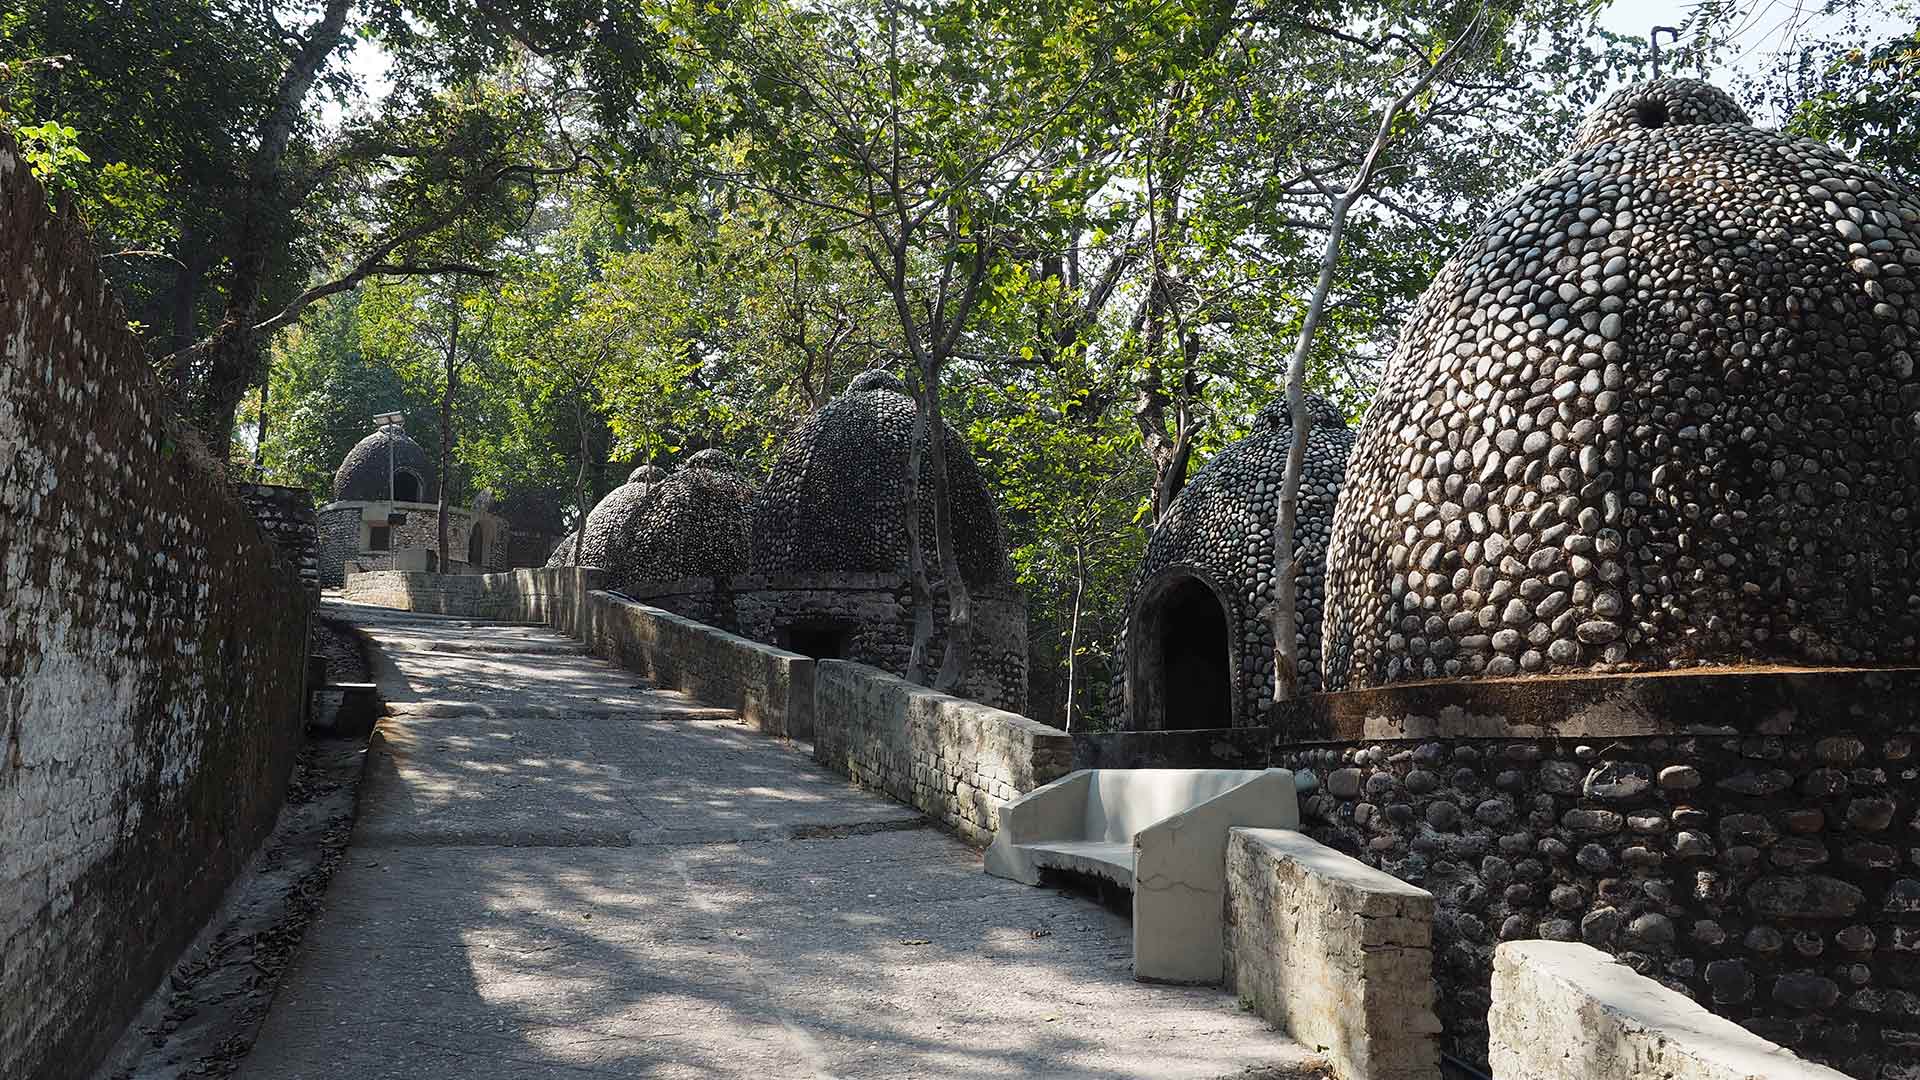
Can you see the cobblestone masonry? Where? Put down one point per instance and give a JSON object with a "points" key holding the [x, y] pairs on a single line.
{"points": [[152, 652], [694, 523], [1659, 411], [1221, 524], [287, 516], [836, 498], [1773, 878], [957, 760], [613, 524]]}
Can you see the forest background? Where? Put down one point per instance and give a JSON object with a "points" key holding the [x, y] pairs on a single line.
{"points": [[570, 237]]}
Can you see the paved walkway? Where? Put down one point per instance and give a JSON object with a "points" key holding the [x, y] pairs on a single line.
{"points": [[558, 873]]}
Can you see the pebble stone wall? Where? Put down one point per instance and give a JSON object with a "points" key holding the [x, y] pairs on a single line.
{"points": [[694, 523], [1773, 878], [835, 499], [152, 658], [1659, 411], [1222, 523], [613, 523]]}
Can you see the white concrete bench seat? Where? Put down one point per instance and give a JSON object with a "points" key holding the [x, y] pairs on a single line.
{"points": [[1161, 833]]}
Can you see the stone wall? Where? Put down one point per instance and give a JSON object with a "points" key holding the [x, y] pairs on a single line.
{"points": [[286, 516], [1564, 1011], [867, 616], [339, 541], [771, 688], [957, 760], [1770, 877], [152, 658], [506, 547], [1337, 954]]}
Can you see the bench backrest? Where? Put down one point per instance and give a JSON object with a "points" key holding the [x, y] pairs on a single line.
{"points": [[1121, 802]]}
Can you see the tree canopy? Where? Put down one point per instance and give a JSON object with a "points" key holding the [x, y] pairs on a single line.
{"points": [[582, 236]]}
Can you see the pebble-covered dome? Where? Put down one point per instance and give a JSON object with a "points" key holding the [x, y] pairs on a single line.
{"points": [[693, 523], [362, 476], [1660, 410], [1221, 525], [611, 524], [835, 498]]}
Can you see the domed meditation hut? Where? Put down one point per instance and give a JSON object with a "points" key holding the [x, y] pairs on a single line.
{"points": [[1622, 584], [613, 523], [1197, 652], [694, 524], [1659, 412], [828, 570], [385, 516]]}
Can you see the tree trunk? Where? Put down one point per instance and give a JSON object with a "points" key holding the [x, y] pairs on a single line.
{"points": [[580, 477], [1286, 592], [447, 391], [260, 436], [1073, 627], [916, 549], [959, 651]]}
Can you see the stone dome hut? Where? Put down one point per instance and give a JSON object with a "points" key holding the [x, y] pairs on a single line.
{"points": [[1659, 411], [363, 474], [834, 499], [1197, 651], [370, 527], [694, 523], [826, 572], [613, 523]]}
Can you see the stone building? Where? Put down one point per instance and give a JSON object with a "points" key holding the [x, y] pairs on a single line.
{"points": [[1197, 651], [612, 523], [824, 568], [1659, 412], [385, 516]]}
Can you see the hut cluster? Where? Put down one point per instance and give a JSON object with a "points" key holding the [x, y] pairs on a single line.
{"points": [[816, 558]]}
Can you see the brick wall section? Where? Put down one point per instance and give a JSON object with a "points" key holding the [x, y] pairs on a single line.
{"points": [[1336, 953], [956, 760], [1566, 1011], [770, 688], [286, 516], [152, 655]]}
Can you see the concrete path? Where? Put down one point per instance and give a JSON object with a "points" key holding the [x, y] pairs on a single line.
{"points": [[557, 873]]}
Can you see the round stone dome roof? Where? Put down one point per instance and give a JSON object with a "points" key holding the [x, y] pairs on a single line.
{"points": [[1221, 526], [1659, 410], [693, 523], [363, 474], [836, 496]]}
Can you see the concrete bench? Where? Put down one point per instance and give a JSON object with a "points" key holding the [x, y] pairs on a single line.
{"points": [[1161, 833]]}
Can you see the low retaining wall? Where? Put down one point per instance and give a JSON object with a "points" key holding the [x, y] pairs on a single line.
{"points": [[1565, 1011], [152, 659], [958, 761], [556, 597], [1336, 953], [772, 689]]}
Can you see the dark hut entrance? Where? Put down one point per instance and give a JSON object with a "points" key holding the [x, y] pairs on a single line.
{"points": [[406, 487], [1182, 673]]}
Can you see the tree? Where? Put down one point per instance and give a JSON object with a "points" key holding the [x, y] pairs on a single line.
{"points": [[938, 144], [204, 116]]}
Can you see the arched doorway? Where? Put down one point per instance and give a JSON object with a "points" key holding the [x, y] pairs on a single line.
{"points": [[477, 545], [1180, 668], [406, 487]]}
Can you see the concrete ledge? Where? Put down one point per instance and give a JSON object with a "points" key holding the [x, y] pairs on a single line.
{"points": [[772, 689], [1567, 1011], [1333, 951], [958, 761]]}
